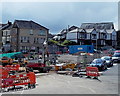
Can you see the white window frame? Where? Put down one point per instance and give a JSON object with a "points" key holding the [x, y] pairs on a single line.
{"points": [[4, 33], [31, 32], [24, 39], [8, 32]]}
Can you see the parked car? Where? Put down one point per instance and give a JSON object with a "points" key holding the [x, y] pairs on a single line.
{"points": [[117, 52], [111, 51], [97, 51], [99, 63], [116, 57], [108, 60]]}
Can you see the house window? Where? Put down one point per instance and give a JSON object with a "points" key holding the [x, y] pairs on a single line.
{"points": [[8, 38], [4, 33], [27, 47], [82, 36], [25, 39], [72, 35], [23, 47], [8, 32], [36, 40], [3, 40], [31, 32], [42, 32], [41, 40], [88, 36], [94, 36]]}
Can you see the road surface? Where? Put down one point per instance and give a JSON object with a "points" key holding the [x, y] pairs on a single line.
{"points": [[66, 84]]}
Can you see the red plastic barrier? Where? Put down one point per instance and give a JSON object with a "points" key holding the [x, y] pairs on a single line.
{"points": [[92, 71], [7, 80], [12, 67], [19, 79]]}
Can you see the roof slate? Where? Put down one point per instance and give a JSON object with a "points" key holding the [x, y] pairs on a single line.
{"points": [[89, 30], [110, 31], [27, 24], [107, 25]]}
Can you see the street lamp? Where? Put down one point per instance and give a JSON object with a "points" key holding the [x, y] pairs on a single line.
{"points": [[45, 42], [44, 46], [96, 45]]}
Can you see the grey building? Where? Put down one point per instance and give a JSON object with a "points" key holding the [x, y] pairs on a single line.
{"points": [[27, 36], [118, 39], [119, 15], [0, 36], [5, 36], [97, 34], [103, 30]]}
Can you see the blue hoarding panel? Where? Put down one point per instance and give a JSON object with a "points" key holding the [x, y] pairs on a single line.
{"points": [[81, 48]]}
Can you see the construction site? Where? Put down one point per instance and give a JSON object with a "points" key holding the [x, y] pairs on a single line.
{"points": [[71, 73]]}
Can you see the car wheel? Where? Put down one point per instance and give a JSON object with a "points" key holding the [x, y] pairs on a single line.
{"points": [[111, 64], [102, 68], [106, 67]]}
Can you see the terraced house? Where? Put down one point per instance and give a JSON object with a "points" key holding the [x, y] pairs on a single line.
{"points": [[5, 36], [25, 36], [97, 34]]}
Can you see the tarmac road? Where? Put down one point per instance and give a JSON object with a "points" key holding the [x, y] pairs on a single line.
{"points": [[66, 84]]}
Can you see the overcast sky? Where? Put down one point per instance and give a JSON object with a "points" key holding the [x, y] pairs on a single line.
{"points": [[57, 16]]}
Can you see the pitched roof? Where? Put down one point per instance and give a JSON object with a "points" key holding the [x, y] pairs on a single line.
{"points": [[50, 35], [27, 24], [1, 25], [6, 26], [72, 28], [110, 31], [63, 31], [81, 30], [89, 30], [107, 25]]}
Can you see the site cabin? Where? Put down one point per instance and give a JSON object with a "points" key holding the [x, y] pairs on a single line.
{"points": [[81, 48]]}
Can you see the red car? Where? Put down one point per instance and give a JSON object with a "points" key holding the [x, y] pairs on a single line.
{"points": [[58, 52]]}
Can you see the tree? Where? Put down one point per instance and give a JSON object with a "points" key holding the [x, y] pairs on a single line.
{"points": [[54, 42], [68, 42], [64, 43]]}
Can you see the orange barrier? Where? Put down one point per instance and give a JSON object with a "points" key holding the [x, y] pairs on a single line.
{"points": [[8, 80], [20, 79], [12, 67], [92, 71]]}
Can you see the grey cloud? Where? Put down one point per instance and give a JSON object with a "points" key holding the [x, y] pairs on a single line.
{"points": [[57, 16]]}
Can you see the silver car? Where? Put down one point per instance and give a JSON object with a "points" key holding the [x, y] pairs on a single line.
{"points": [[108, 60], [99, 63], [116, 57]]}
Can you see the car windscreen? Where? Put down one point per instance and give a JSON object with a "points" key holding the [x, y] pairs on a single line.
{"points": [[107, 58], [96, 61]]}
